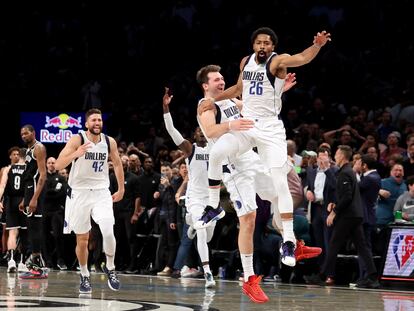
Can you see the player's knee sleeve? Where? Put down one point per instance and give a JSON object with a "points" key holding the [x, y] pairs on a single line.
{"points": [[107, 229], [225, 147], [279, 178], [202, 245]]}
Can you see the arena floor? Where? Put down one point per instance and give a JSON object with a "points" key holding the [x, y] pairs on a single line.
{"points": [[60, 292]]}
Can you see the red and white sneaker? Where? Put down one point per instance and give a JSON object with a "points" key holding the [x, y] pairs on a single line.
{"points": [[34, 274], [303, 252], [253, 290]]}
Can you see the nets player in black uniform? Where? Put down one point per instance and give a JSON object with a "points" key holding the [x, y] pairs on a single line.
{"points": [[12, 189], [34, 181], [14, 158]]}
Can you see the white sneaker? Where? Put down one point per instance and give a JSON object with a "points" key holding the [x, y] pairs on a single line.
{"points": [[209, 280], [184, 270], [191, 273], [22, 267], [11, 266]]}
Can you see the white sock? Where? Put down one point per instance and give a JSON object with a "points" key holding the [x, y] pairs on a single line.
{"points": [[110, 264], [84, 270], [214, 197], [247, 264], [206, 268], [288, 234]]}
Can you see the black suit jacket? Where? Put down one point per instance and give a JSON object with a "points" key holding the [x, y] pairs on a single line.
{"points": [[369, 187], [348, 202], [329, 187]]}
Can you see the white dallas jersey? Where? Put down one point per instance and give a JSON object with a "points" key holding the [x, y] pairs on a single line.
{"points": [[90, 171], [262, 91], [197, 166], [227, 110]]}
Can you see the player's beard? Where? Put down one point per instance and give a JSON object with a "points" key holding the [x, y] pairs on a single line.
{"points": [[261, 57], [95, 131]]}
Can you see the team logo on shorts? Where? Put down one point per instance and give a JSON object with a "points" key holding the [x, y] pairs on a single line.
{"points": [[238, 204]]}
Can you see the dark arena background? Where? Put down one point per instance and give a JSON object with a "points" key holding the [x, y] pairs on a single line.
{"points": [[60, 58]]}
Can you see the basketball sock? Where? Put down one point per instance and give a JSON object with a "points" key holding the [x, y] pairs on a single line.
{"points": [[206, 268], [288, 234], [84, 270], [213, 192], [247, 264], [110, 264]]}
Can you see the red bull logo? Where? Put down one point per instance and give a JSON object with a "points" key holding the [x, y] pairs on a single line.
{"points": [[63, 121]]}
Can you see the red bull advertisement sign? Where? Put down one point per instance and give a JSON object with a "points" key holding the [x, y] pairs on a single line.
{"points": [[54, 127]]}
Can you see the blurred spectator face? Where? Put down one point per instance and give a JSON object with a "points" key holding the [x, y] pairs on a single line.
{"points": [[183, 170], [64, 172], [372, 151], [371, 141], [50, 165], [141, 146], [175, 172], [410, 141], [397, 172], [386, 117], [369, 126], [291, 147], [167, 171], [410, 151], [314, 130], [134, 162], [345, 138], [121, 151], [356, 157], [123, 145], [392, 140], [148, 164]]}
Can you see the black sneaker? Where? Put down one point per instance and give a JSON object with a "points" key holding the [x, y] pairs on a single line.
{"points": [[85, 285], [113, 281], [35, 263], [61, 265], [176, 274], [314, 279], [368, 283], [210, 214], [131, 270]]}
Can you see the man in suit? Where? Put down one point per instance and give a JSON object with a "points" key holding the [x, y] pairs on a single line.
{"points": [[321, 190], [348, 215], [369, 186]]}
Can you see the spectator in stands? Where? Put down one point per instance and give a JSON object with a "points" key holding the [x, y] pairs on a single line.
{"points": [[405, 202]]}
